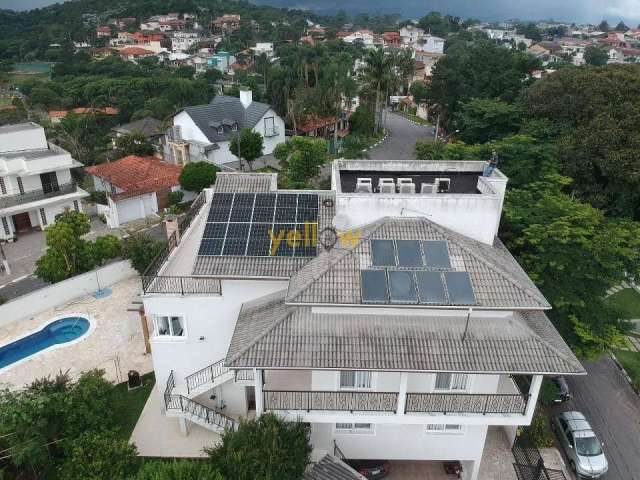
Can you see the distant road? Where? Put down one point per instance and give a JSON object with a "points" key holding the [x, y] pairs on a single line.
{"points": [[401, 142]]}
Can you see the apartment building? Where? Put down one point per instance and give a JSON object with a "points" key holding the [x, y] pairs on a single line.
{"points": [[384, 312], [35, 180]]}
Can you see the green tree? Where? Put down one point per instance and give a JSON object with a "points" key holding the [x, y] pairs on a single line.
{"points": [[595, 56], [99, 456], [604, 26], [530, 31], [134, 143], [198, 175], [263, 449], [301, 159], [593, 116], [621, 27], [105, 248], [574, 255], [376, 72], [363, 121], [67, 253], [482, 119], [140, 249], [178, 470], [439, 25], [419, 91], [251, 144]]}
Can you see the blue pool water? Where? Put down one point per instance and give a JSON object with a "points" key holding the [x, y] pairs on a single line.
{"points": [[61, 331]]}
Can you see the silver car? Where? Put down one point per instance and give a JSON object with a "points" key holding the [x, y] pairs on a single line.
{"points": [[581, 445]]}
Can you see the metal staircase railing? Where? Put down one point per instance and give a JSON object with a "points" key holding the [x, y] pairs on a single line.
{"points": [[196, 409], [205, 375]]}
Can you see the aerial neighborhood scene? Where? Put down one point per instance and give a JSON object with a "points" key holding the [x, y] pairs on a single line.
{"points": [[281, 240]]}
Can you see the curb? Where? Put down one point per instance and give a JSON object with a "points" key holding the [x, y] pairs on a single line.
{"points": [[624, 372], [413, 121], [386, 135]]}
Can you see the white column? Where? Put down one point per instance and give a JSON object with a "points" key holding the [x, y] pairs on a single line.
{"points": [[184, 427], [257, 378], [402, 393], [534, 390]]}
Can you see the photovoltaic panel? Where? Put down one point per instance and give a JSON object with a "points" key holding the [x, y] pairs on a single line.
{"points": [[383, 253], [402, 288], [238, 230], [282, 245], [243, 200], [222, 199], [219, 214], [258, 248], [430, 288], [215, 230], [308, 201], [409, 254], [234, 246], [307, 215], [459, 288], [288, 200], [210, 247], [374, 286], [285, 215], [240, 214], [436, 254], [265, 200], [263, 215]]}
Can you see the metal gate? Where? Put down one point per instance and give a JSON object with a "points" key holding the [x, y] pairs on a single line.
{"points": [[529, 464]]}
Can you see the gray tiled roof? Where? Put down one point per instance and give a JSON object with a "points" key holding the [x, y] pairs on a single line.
{"points": [[271, 334], [258, 267], [147, 126], [226, 108], [334, 276], [331, 468]]}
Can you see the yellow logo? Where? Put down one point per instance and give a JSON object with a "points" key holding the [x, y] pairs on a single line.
{"points": [[308, 237]]}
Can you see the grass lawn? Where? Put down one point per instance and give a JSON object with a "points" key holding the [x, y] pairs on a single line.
{"points": [[631, 363], [129, 404], [628, 300], [415, 118]]}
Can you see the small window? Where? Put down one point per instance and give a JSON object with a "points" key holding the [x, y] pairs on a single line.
{"points": [[357, 380], [443, 428], [354, 428], [451, 381], [167, 326]]}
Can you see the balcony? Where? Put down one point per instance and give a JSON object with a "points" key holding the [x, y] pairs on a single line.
{"points": [[7, 201], [181, 285], [330, 401], [454, 403]]}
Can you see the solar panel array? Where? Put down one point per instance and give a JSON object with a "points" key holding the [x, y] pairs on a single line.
{"points": [[261, 225], [414, 272]]}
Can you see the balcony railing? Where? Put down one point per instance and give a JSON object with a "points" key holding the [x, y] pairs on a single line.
{"points": [[181, 285], [443, 403], [206, 375], [466, 403], [330, 400], [7, 201]]}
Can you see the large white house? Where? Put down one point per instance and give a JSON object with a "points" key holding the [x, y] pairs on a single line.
{"points": [[204, 132], [35, 180], [384, 312]]}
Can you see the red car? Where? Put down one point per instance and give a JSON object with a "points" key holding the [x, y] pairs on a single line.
{"points": [[370, 469]]}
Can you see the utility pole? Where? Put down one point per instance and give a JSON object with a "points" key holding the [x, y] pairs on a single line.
{"points": [[435, 135]]}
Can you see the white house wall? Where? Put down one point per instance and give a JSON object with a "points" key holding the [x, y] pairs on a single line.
{"points": [[270, 143], [137, 207], [189, 129], [209, 321]]}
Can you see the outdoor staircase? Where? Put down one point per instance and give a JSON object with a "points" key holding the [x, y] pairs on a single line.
{"points": [[179, 399]]}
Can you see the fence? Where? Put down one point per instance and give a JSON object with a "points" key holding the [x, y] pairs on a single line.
{"points": [[529, 463]]}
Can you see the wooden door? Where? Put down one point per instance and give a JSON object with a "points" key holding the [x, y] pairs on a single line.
{"points": [[22, 222]]}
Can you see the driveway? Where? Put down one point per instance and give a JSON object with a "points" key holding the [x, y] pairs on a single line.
{"points": [[613, 410], [401, 142]]}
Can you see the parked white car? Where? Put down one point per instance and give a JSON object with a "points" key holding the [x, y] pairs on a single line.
{"points": [[581, 445]]}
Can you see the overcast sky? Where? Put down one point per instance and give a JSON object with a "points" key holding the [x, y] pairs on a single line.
{"points": [[571, 10]]}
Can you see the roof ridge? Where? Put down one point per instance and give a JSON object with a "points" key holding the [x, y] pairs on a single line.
{"points": [[344, 252], [461, 240]]}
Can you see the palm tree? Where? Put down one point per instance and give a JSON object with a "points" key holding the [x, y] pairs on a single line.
{"points": [[375, 70], [405, 65]]}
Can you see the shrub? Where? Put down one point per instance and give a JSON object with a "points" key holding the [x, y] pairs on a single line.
{"points": [[178, 470], [98, 196], [141, 249], [362, 121], [198, 175], [540, 430], [176, 197], [548, 392]]}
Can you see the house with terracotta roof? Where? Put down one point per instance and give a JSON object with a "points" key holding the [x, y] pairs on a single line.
{"points": [[55, 116], [136, 187], [103, 31], [132, 54]]}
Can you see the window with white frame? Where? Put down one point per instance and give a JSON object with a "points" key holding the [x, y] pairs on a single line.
{"points": [[443, 428], [169, 326], [354, 428], [356, 380], [452, 381]]}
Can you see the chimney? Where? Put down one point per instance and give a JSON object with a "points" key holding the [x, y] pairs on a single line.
{"points": [[246, 97], [171, 227]]}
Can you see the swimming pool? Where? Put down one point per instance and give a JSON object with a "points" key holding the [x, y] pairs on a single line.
{"points": [[59, 331]]}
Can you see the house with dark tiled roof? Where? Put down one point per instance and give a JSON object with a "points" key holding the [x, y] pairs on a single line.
{"points": [[135, 187], [204, 132], [385, 313]]}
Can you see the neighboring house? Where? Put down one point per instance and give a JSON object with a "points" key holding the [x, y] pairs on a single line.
{"points": [[122, 23], [392, 39], [405, 338], [181, 41], [136, 187], [103, 32], [55, 116], [225, 24], [149, 41], [411, 35], [35, 180], [221, 61], [263, 48], [203, 132], [431, 44], [429, 60], [149, 127], [365, 37], [199, 62], [132, 54]]}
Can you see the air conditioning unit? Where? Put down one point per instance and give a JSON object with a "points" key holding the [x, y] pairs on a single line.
{"points": [[407, 187], [428, 188], [386, 182], [364, 185], [443, 185], [387, 188]]}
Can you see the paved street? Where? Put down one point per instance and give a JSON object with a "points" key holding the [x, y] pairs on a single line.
{"points": [[613, 410], [401, 142]]}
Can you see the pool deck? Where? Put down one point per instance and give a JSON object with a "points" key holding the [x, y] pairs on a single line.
{"points": [[114, 343]]}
